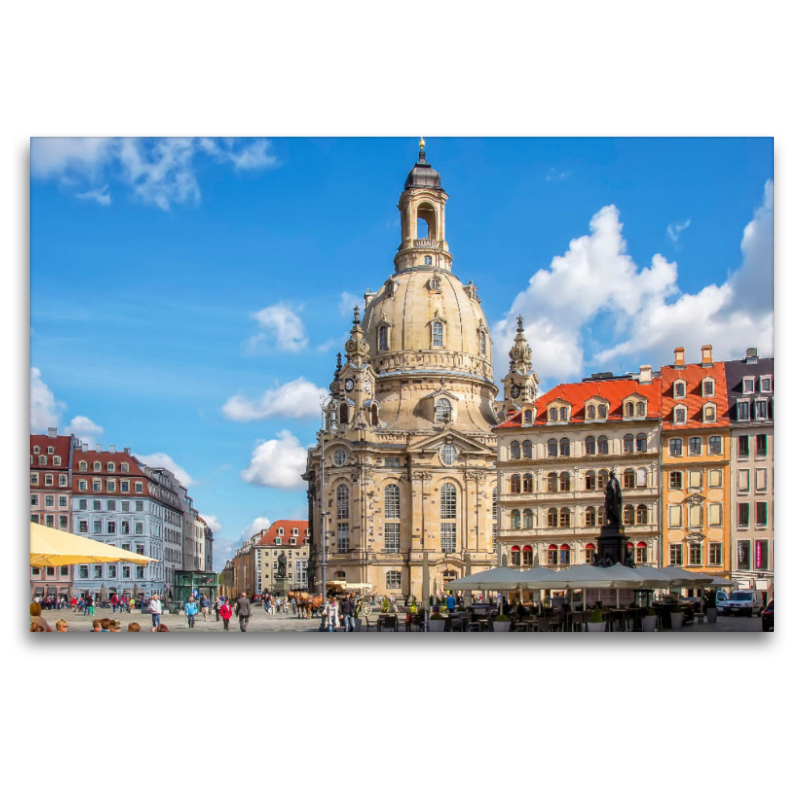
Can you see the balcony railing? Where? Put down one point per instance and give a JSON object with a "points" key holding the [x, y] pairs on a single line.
{"points": [[426, 243]]}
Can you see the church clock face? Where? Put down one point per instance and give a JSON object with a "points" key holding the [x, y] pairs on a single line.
{"points": [[515, 390], [348, 385]]}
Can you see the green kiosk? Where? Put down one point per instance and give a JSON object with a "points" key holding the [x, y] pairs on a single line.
{"points": [[194, 583]]}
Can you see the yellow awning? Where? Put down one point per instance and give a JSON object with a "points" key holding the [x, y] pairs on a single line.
{"points": [[54, 548]]}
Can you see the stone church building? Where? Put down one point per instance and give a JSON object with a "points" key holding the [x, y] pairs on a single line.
{"points": [[406, 459]]}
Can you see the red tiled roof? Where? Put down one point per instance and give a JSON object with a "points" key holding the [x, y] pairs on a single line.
{"points": [[576, 394], [60, 444], [694, 401], [268, 539]]}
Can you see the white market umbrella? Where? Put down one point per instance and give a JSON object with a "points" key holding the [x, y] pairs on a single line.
{"points": [[498, 579], [682, 577], [654, 578]]}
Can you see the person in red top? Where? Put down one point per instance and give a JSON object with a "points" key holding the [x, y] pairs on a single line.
{"points": [[226, 612]]}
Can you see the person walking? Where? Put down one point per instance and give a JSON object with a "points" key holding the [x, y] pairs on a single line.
{"points": [[332, 610], [217, 606], [205, 604], [294, 606], [90, 603], [347, 612], [155, 612], [191, 610], [226, 612], [243, 612], [451, 603], [267, 604]]}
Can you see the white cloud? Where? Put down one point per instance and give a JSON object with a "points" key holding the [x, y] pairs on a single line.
{"points": [[282, 324], [277, 462], [596, 281], [256, 526], [45, 409], [161, 171], [294, 400], [555, 175], [347, 302], [100, 196], [212, 522], [163, 460], [86, 430], [675, 229]]}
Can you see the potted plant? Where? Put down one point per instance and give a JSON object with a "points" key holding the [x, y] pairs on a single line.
{"points": [[676, 618], [501, 623], [385, 605], [596, 623], [649, 621], [436, 623]]}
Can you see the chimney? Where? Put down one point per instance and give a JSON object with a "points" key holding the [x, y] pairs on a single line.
{"points": [[680, 361], [52, 433], [127, 451], [112, 448], [752, 355], [645, 374], [707, 360], [85, 447], [98, 448]]}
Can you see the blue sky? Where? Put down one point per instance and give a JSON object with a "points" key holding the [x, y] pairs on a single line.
{"points": [[188, 297]]}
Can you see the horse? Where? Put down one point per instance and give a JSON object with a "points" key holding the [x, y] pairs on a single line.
{"points": [[307, 604]]}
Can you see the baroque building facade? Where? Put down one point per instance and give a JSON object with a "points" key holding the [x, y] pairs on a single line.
{"points": [[287, 537], [555, 454], [407, 448]]}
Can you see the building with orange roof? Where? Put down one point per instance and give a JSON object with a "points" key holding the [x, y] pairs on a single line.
{"points": [[554, 458], [290, 538], [695, 464]]}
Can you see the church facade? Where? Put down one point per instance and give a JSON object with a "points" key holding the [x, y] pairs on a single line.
{"points": [[402, 480]]}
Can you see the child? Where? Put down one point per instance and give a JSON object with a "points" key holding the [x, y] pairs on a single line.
{"points": [[97, 627], [61, 626], [162, 629], [114, 626], [134, 627]]}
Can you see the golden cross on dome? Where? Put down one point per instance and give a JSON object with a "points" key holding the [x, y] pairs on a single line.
{"points": [[421, 148]]}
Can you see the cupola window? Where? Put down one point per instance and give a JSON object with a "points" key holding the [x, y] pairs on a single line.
{"points": [[383, 337], [437, 334], [428, 263], [443, 410]]}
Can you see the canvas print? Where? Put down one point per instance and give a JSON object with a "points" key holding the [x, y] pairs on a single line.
{"points": [[387, 385]]}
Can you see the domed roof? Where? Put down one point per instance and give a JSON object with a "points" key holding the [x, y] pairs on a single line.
{"points": [[423, 174], [410, 302]]}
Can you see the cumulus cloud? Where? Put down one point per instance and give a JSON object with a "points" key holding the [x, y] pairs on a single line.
{"points": [[256, 526], [281, 325], [555, 175], [161, 172], [45, 409], [640, 313], [277, 462], [675, 229], [294, 400], [86, 430], [212, 522], [163, 460]]}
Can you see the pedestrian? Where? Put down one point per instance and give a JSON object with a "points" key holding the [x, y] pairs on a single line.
{"points": [[155, 612], [267, 604], [347, 613], [294, 606], [205, 604], [243, 612], [217, 606], [225, 611], [191, 610], [332, 610], [114, 626], [97, 627], [451, 603], [62, 626]]}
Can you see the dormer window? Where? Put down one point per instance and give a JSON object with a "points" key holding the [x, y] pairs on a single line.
{"points": [[629, 407], [123, 467], [277, 541], [708, 387], [766, 383], [564, 414], [552, 415], [428, 262], [98, 467], [82, 466], [383, 337], [709, 412], [527, 417], [110, 466], [748, 385], [679, 389], [591, 412], [640, 409], [602, 412], [443, 410], [679, 415]]}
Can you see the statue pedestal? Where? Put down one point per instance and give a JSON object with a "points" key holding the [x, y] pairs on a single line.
{"points": [[612, 544]]}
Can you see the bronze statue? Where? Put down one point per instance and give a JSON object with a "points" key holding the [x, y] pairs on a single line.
{"points": [[613, 501], [282, 565]]}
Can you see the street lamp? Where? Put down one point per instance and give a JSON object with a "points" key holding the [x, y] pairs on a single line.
{"points": [[324, 408]]}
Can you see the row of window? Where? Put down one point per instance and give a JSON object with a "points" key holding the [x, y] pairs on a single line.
{"points": [[109, 571], [111, 527], [591, 446], [50, 572], [49, 479], [592, 517], [694, 553], [111, 505], [563, 555], [743, 446], [97, 466], [49, 520], [562, 482], [695, 446], [37, 450], [437, 335], [391, 501], [752, 555], [42, 460], [111, 486], [747, 410], [707, 387], [680, 414], [50, 500]]}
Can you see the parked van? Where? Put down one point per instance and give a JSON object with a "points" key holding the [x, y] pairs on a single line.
{"points": [[741, 601]]}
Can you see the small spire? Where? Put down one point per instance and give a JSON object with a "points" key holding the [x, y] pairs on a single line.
{"points": [[421, 148], [520, 329], [356, 319]]}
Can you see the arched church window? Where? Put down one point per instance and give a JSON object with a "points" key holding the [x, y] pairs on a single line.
{"points": [[392, 502], [383, 337], [342, 502], [437, 334], [343, 413], [482, 341], [375, 420], [443, 410], [448, 506]]}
